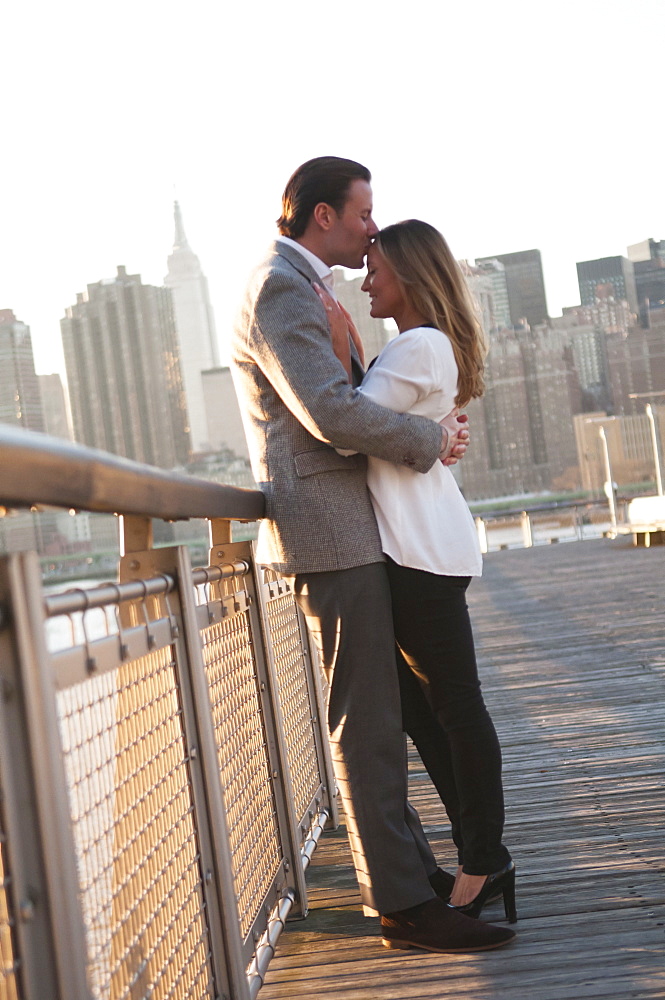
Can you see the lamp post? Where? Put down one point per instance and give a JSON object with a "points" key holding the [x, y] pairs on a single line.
{"points": [[654, 445], [609, 487]]}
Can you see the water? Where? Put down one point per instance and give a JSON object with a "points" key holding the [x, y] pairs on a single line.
{"points": [[77, 629]]}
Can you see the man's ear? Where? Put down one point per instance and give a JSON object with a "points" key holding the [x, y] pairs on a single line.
{"points": [[323, 215]]}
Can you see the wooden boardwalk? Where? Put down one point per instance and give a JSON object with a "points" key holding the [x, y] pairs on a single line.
{"points": [[571, 641]]}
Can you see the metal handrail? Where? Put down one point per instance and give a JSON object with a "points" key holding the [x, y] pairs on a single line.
{"points": [[198, 652], [75, 599], [36, 469]]}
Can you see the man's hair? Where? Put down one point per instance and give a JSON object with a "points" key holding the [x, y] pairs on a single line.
{"points": [[433, 283], [323, 179]]}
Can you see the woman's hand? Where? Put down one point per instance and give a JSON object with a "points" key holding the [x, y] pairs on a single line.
{"points": [[341, 327], [455, 425]]}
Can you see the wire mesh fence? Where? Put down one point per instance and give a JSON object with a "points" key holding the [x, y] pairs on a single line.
{"points": [[251, 811], [160, 917], [134, 828], [301, 696]]}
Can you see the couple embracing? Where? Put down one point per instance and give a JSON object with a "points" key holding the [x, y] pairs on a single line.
{"points": [[362, 511]]}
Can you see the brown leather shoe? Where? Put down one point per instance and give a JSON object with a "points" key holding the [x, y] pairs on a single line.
{"points": [[435, 926]]}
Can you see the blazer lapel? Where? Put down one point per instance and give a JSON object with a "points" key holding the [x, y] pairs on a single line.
{"points": [[304, 267], [357, 370], [296, 260]]}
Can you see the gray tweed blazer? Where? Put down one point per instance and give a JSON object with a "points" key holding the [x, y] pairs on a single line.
{"points": [[297, 406]]}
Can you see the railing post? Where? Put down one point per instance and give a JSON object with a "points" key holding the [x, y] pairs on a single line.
{"points": [[211, 827], [481, 528], [243, 686], [220, 531], [28, 956], [283, 785], [214, 793], [51, 907], [313, 728], [525, 523], [135, 533]]}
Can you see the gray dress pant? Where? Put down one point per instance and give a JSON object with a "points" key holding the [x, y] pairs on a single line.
{"points": [[348, 613]]}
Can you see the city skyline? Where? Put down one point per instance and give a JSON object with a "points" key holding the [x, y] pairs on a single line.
{"points": [[543, 383], [459, 124], [348, 275]]}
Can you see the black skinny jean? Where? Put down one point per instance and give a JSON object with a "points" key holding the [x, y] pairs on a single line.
{"points": [[444, 712]]}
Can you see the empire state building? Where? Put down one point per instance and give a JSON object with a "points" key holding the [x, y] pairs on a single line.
{"points": [[196, 328]]}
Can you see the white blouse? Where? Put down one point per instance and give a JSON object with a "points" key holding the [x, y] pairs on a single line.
{"points": [[423, 519]]}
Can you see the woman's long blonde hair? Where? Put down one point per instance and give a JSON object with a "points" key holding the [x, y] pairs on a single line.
{"points": [[436, 288]]}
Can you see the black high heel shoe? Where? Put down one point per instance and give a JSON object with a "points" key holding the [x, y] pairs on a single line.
{"points": [[501, 883], [443, 884]]}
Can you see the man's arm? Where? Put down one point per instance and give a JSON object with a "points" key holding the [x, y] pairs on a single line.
{"points": [[290, 342], [398, 389]]}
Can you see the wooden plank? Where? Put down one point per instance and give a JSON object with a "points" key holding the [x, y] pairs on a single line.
{"points": [[570, 641]]}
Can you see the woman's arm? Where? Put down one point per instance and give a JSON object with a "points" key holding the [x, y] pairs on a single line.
{"points": [[285, 332], [409, 388]]}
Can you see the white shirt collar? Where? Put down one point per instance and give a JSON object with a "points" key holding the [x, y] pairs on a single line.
{"points": [[322, 270]]}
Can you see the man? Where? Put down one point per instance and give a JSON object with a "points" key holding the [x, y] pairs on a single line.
{"points": [[298, 406]]}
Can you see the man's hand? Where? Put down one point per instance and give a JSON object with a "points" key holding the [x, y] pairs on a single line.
{"points": [[455, 437], [338, 324]]}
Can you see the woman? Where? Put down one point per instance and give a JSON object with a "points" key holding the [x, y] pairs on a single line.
{"points": [[434, 366]]}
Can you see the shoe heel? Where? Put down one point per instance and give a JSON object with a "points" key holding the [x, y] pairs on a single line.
{"points": [[509, 898]]}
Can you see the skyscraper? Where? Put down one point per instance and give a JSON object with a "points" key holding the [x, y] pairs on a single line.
{"points": [[56, 417], [196, 328], [637, 366], [20, 398], [648, 249], [648, 260], [123, 370], [594, 275], [490, 275], [610, 314], [525, 283], [588, 342], [522, 427]]}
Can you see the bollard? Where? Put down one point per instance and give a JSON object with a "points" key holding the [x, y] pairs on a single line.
{"points": [[481, 528], [527, 536]]}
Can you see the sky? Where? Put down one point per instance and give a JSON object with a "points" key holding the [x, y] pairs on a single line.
{"points": [[507, 125]]}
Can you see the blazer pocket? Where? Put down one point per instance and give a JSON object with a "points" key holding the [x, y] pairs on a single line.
{"points": [[310, 463]]}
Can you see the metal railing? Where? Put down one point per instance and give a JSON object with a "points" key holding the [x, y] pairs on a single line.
{"points": [[164, 767], [543, 524]]}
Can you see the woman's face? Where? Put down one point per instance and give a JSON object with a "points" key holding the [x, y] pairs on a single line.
{"points": [[386, 292]]}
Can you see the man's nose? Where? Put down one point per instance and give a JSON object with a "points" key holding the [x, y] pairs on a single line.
{"points": [[372, 228]]}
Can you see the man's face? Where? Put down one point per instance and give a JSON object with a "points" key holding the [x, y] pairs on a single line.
{"points": [[351, 231]]}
